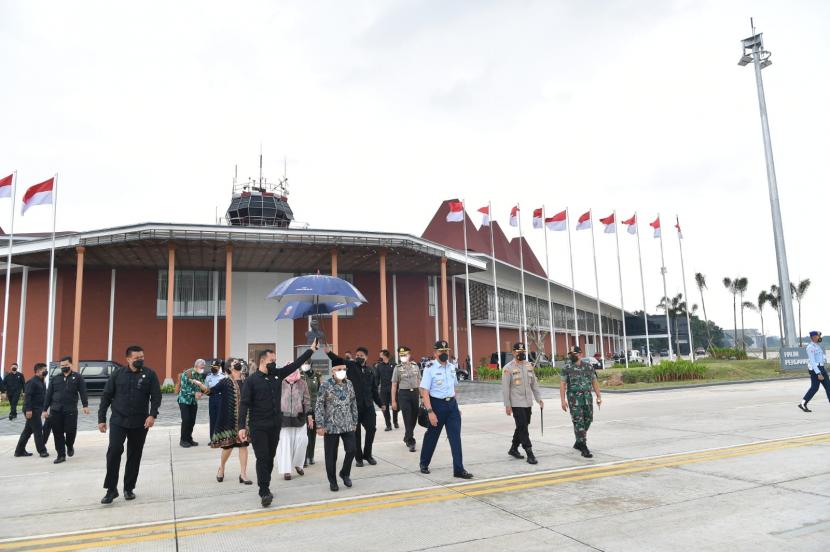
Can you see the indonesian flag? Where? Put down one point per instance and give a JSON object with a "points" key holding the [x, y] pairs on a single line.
{"points": [[557, 222], [537, 218], [39, 194], [632, 224], [485, 212], [584, 221], [610, 225], [679, 232], [6, 186], [656, 226], [456, 213], [514, 216]]}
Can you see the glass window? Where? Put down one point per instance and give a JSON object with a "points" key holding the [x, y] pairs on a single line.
{"points": [[432, 284], [193, 294], [91, 370]]}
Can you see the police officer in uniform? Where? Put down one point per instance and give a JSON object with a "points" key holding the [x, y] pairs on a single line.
{"points": [[61, 408], [438, 394], [519, 387], [406, 379], [817, 361], [384, 370], [14, 383], [33, 410], [578, 378]]}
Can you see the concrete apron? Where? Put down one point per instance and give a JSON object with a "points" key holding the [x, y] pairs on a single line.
{"points": [[757, 498]]}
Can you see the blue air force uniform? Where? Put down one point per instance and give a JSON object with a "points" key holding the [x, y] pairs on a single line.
{"points": [[817, 361]]}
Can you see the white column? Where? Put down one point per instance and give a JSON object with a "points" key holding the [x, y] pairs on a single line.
{"points": [[435, 302], [21, 324], [454, 320], [112, 314], [395, 315], [216, 314]]}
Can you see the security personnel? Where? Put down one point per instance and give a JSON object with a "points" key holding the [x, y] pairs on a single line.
{"points": [[817, 362], [519, 387], [406, 378], [135, 396], [33, 410], [439, 397], [384, 370], [14, 383], [577, 379], [61, 408]]}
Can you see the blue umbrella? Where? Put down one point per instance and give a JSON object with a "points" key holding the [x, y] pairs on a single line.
{"points": [[300, 309], [316, 288]]}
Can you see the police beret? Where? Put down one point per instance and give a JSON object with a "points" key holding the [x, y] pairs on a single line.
{"points": [[440, 345], [815, 334], [519, 347], [402, 350]]}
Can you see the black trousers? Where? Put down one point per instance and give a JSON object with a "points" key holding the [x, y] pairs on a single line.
{"points": [[265, 441], [64, 427], [386, 399], [408, 405], [331, 443], [14, 397], [135, 437], [367, 418], [312, 440], [33, 427], [521, 436], [188, 421]]}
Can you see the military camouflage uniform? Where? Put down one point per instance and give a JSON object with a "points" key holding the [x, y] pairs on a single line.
{"points": [[578, 380]]}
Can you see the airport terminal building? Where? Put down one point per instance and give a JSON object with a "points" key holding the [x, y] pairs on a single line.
{"points": [[112, 287]]}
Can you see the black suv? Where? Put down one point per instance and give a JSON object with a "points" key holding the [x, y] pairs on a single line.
{"points": [[95, 373]]}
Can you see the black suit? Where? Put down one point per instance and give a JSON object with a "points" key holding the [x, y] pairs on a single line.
{"points": [[62, 405], [365, 383], [383, 371], [14, 383], [33, 402]]}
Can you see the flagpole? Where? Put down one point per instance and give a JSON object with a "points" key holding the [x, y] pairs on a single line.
{"points": [[643, 286], [573, 281], [683, 274], [523, 331], [596, 282], [550, 301], [51, 305], [8, 278], [622, 300], [665, 289], [467, 291], [495, 281]]}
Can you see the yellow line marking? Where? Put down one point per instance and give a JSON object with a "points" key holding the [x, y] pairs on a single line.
{"points": [[202, 526]]}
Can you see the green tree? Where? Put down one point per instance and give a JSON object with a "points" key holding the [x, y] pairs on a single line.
{"points": [[775, 302], [763, 298], [676, 308], [700, 280], [798, 292]]}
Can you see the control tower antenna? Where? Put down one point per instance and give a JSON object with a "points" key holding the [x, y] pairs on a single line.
{"points": [[260, 164]]}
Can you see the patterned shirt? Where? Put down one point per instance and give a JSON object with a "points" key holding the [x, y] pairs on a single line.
{"points": [[336, 408], [578, 379], [188, 389]]}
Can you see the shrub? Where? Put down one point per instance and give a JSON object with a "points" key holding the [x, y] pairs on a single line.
{"points": [[168, 389], [728, 353], [486, 373], [546, 371], [679, 370], [637, 375]]}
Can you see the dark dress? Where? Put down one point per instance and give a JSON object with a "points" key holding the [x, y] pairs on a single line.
{"points": [[226, 433]]}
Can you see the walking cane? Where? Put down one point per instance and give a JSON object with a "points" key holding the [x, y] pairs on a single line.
{"points": [[542, 419]]}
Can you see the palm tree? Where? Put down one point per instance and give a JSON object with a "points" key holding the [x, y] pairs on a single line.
{"points": [[742, 284], [774, 301], [763, 299], [732, 287], [700, 280], [798, 292], [677, 307]]}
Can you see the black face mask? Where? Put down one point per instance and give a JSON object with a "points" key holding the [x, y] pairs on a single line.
{"points": [[65, 369], [521, 356], [237, 367], [443, 357], [14, 368], [43, 375], [360, 361], [271, 366], [138, 364]]}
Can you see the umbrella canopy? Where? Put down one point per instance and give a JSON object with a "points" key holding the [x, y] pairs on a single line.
{"points": [[300, 309], [316, 288]]}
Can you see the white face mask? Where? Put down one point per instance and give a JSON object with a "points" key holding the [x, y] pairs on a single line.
{"points": [[306, 367], [340, 375], [405, 358]]}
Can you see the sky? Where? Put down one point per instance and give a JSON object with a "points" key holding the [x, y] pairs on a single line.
{"points": [[381, 110]]}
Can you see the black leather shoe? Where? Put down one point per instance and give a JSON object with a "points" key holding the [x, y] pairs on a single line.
{"points": [[371, 461], [22, 454], [267, 500], [70, 451], [585, 452], [396, 425], [804, 408], [424, 469], [359, 463], [194, 443], [463, 475], [129, 495], [347, 481], [44, 454], [411, 447], [531, 458], [514, 452], [184, 444], [388, 428], [333, 486], [60, 460], [109, 497]]}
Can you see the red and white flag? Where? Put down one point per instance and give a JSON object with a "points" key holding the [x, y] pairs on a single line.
{"points": [[558, 222], [6, 186], [456, 213], [610, 224], [632, 224], [679, 232], [39, 194], [656, 226], [485, 218], [537, 218], [584, 221], [514, 216]]}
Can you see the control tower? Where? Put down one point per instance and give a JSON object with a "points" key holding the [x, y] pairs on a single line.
{"points": [[260, 203]]}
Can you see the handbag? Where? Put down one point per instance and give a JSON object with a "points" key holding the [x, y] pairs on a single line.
{"points": [[423, 416]]}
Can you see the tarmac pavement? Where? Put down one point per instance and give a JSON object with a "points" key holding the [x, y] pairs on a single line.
{"points": [[715, 468]]}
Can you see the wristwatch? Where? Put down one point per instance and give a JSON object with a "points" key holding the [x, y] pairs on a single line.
{"points": [[429, 411]]}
